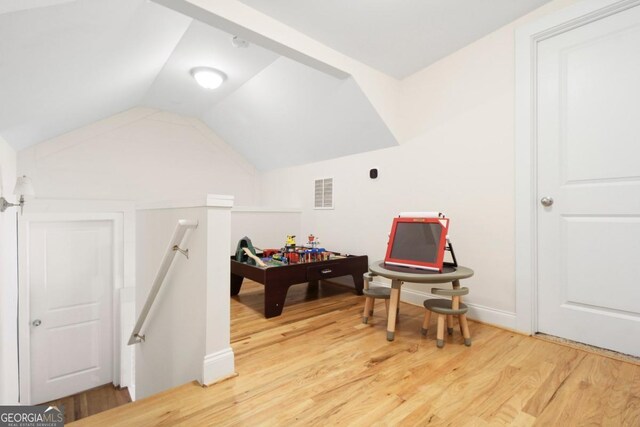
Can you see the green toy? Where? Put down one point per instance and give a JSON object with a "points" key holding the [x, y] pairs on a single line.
{"points": [[241, 255]]}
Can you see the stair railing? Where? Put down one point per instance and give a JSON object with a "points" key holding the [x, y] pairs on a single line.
{"points": [[174, 247]]}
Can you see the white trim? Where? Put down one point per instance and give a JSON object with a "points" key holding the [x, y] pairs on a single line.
{"points": [[493, 316], [24, 291], [217, 365], [210, 200], [126, 208], [260, 209], [526, 227]]}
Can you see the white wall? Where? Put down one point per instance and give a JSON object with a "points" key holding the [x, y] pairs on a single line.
{"points": [[267, 228], [175, 341], [459, 159], [141, 154], [8, 280], [188, 329]]}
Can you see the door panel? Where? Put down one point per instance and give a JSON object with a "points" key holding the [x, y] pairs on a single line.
{"points": [[588, 149], [85, 356], [70, 269], [600, 76], [599, 274]]}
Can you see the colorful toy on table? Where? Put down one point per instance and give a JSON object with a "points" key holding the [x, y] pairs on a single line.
{"points": [[316, 254], [289, 253], [289, 250], [280, 258], [268, 253], [245, 252], [312, 243]]}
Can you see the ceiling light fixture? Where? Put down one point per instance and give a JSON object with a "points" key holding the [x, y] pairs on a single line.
{"points": [[208, 78]]}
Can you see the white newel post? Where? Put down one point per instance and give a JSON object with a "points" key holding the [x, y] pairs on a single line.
{"points": [[218, 360]]}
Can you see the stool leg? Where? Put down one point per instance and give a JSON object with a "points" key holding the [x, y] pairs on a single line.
{"points": [[386, 307], [465, 330], [425, 322], [450, 324], [373, 302], [440, 335], [368, 303], [455, 304]]}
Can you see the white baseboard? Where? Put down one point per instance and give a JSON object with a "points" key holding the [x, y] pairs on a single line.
{"points": [[493, 316], [217, 365]]}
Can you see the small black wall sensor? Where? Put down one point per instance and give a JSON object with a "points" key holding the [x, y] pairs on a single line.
{"points": [[373, 173]]}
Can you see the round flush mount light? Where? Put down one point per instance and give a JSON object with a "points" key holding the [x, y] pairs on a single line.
{"points": [[208, 78]]}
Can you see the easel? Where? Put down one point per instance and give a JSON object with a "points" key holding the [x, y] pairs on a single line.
{"points": [[449, 248]]}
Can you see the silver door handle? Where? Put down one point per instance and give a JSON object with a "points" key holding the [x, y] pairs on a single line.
{"points": [[546, 201], [36, 322]]}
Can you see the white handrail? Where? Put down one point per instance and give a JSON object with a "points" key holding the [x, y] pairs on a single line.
{"points": [[174, 246]]}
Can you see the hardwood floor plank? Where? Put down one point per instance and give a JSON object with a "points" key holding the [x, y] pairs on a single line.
{"points": [[317, 364], [581, 394], [566, 361], [91, 402]]}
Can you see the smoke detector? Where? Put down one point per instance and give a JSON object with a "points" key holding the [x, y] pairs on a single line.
{"points": [[239, 43]]}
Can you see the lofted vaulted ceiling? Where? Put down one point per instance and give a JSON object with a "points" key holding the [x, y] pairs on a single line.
{"points": [[396, 37], [67, 63]]}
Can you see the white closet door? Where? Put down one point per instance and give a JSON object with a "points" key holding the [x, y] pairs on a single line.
{"points": [[70, 277], [588, 135]]}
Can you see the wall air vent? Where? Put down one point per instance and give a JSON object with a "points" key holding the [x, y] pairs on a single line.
{"points": [[323, 197]]}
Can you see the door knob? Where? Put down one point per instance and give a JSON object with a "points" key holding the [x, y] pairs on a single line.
{"points": [[36, 322], [546, 201]]}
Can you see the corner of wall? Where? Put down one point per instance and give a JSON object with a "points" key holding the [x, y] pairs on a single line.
{"points": [[8, 281]]}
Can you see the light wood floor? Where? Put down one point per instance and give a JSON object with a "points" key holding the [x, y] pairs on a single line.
{"points": [[317, 364], [91, 402]]}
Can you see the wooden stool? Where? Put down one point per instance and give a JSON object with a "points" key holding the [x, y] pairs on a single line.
{"points": [[447, 308], [371, 294]]}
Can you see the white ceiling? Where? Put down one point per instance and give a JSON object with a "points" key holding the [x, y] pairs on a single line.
{"points": [[7, 6], [202, 45], [396, 37], [72, 63], [291, 114], [67, 63], [272, 110]]}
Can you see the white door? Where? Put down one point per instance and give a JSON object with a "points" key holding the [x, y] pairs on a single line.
{"points": [[588, 136], [70, 277]]}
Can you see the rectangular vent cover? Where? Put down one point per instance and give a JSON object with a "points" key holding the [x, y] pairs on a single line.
{"points": [[323, 193]]}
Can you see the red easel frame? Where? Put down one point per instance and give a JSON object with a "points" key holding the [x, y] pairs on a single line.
{"points": [[436, 266]]}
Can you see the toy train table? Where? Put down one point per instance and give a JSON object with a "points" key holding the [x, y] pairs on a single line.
{"points": [[278, 279]]}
